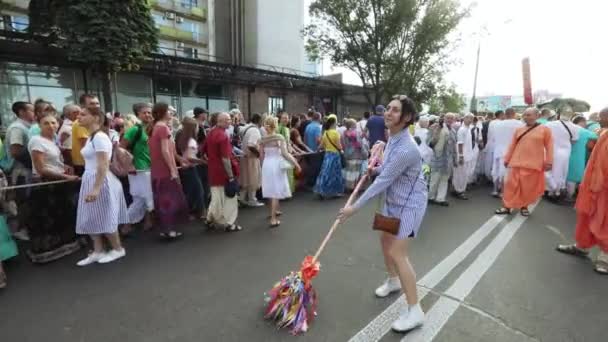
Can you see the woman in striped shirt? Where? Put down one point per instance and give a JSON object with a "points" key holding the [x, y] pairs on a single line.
{"points": [[400, 179]]}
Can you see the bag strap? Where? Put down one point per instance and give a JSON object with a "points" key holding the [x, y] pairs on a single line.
{"points": [[567, 129], [526, 132], [332, 143]]}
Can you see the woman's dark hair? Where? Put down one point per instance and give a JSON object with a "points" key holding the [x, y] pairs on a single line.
{"points": [[98, 114], [187, 132], [328, 123], [408, 107], [159, 111], [294, 121]]}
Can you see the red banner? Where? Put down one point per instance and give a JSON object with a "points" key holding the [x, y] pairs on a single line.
{"points": [[528, 99]]}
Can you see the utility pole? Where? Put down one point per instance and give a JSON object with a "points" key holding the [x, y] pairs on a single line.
{"points": [[474, 98]]}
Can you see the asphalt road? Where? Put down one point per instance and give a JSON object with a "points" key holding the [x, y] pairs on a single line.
{"points": [[506, 283]]}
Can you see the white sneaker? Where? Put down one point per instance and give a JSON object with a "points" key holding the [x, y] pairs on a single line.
{"points": [[255, 204], [389, 286], [411, 319], [91, 258], [112, 255]]}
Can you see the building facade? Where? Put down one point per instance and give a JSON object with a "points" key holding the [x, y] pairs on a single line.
{"points": [[207, 57]]}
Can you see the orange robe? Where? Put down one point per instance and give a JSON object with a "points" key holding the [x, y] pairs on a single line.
{"points": [[525, 181], [592, 201]]}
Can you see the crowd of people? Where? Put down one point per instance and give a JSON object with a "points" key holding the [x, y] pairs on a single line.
{"points": [[85, 178]]}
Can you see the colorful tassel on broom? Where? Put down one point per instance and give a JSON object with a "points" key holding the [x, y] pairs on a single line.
{"points": [[292, 302]]}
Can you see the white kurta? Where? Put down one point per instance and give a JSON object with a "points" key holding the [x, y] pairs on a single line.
{"points": [[489, 149], [503, 135], [562, 146], [463, 172]]}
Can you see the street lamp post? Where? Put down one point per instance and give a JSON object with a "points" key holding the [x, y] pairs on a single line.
{"points": [[474, 98]]}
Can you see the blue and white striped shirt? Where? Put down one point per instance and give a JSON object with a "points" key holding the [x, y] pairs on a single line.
{"points": [[401, 180]]}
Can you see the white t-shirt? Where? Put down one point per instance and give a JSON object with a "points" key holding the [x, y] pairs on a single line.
{"points": [[100, 143], [191, 149], [251, 137], [503, 135], [561, 138], [361, 125], [66, 128], [465, 138], [53, 159]]}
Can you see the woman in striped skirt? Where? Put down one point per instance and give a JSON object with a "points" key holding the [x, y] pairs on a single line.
{"points": [[101, 204]]}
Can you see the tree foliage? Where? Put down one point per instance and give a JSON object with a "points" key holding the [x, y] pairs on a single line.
{"points": [[446, 100], [105, 35], [394, 46], [566, 105]]}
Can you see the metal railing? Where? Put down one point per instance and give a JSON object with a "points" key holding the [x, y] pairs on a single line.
{"points": [[184, 7]]}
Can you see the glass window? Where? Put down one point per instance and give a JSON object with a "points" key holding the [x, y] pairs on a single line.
{"points": [[189, 26], [188, 103], [12, 73], [127, 100], [218, 105], [188, 4], [275, 104], [51, 76], [20, 23], [59, 97], [10, 94], [190, 52]]}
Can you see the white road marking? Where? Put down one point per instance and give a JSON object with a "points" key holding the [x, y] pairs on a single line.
{"points": [[380, 325], [445, 307]]}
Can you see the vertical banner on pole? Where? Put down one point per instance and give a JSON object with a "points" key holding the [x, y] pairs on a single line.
{"points": [[528, 99]]}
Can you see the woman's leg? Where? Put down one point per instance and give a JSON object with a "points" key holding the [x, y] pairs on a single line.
{"points": [[114, 240], [398, 252], [274, 203], [385, 242], [97, 243]]}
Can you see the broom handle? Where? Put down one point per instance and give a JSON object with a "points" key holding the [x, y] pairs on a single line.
{"points": [[337, 222]]}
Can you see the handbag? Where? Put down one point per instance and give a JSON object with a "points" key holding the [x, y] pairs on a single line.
{"points": [[284, 164], [342, 157], [390, 224]]}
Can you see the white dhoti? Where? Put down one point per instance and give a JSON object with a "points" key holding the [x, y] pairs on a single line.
{"points": [[438, 189], [556, 178], [472, 170], [222, 209], [461, 175], [140, 187], [488, 162], [498, 170]]}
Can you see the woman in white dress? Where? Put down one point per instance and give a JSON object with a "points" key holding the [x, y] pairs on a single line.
{"points": [[276, 163], [101, 204]]}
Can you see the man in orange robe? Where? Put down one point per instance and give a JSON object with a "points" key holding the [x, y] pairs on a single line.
{"points": [[592, 204], [528, 156]]}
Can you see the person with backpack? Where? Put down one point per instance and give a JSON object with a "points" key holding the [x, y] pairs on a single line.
{"points": [[135, 140]]}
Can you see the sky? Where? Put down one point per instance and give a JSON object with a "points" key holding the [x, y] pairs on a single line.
{"points": [[564, 39]]}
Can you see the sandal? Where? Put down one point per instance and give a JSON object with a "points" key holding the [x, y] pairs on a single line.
{"points": [[275, 225], [572, 250], [601, 267], [524, 212], [234, 228], [503, 211], [279, 213]]}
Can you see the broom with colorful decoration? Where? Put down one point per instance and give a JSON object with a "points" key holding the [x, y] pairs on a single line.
{"points": [[292, 302]]}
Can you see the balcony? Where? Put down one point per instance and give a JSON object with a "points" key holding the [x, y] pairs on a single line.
{"points": [[177, 34], [17, 5], [181, 7]]}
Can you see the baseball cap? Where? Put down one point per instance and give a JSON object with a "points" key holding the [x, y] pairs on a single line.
{"points": [[380, 109]]}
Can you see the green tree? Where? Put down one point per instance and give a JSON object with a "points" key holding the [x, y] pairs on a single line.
{"points": [[106, 36], [394, 46], [446, 100]]}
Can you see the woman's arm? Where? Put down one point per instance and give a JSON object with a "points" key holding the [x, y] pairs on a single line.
{"points": [[42, 170], [165, 149], [391, 169], [287, 155]]}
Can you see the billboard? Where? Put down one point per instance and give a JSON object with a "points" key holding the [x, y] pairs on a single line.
{"points": [[493, 103]]}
